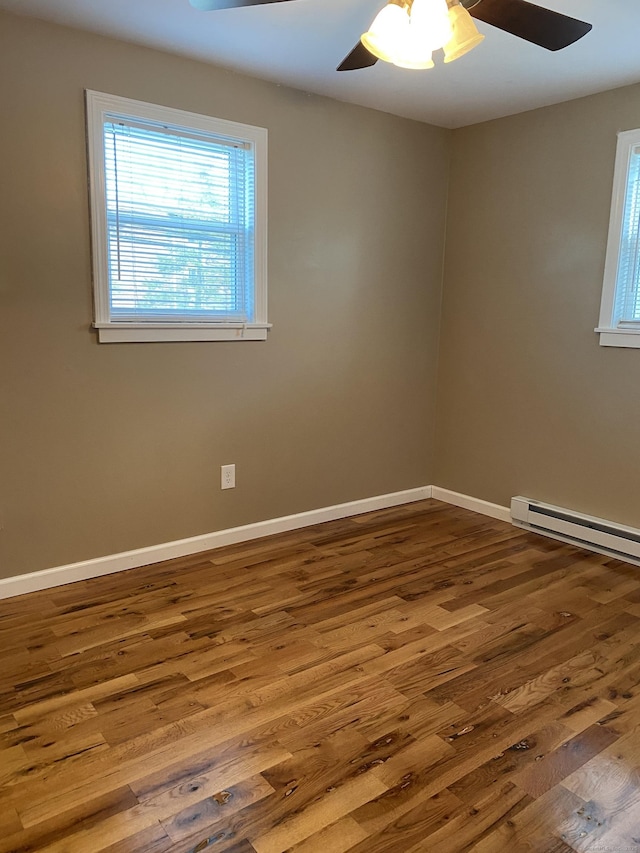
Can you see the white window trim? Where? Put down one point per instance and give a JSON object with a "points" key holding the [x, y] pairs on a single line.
{"points": [[110, 331], [614, 334]]}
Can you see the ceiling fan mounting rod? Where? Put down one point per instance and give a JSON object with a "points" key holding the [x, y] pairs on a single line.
{"points": [[468, 4], [407, 4]]}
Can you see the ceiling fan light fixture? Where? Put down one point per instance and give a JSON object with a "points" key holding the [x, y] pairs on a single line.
{"points": [[418, 65], [415, 52], [430, 22], [387, 33], [465, 34], [393, 38]]}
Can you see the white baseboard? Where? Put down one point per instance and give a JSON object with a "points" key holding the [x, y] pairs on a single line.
{"points": [[503, 513], [48, 578], [59, 575]]}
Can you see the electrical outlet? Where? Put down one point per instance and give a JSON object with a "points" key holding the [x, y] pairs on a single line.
{"points": [[228, 477]]}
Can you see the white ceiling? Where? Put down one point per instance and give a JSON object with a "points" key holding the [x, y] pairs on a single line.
{"points": [[300, 43]]}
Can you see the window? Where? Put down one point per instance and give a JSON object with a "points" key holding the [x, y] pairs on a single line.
{"points": [[620, 314], [178, 205]]}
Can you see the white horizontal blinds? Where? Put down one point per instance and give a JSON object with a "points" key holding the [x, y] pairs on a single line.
{"points": [[180, 210], [627, 307]]}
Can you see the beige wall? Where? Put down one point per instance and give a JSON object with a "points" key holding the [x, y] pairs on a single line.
{"points": [[110, 447], [528, 403]]}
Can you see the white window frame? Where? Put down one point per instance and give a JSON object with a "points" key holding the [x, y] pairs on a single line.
{"points": [[613, 333], [102, 107]]}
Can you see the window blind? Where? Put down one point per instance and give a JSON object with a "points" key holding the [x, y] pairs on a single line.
{"points": [[180, 224], [627, 304]]}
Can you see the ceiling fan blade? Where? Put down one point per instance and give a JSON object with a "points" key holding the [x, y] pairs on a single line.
{"points": [[213, 5], [358, 58], [529, 22]]}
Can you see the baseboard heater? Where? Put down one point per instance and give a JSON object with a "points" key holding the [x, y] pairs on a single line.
{"points": [[595, 534]]}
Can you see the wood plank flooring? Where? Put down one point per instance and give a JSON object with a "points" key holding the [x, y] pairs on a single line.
{"points": [[416, 679]]}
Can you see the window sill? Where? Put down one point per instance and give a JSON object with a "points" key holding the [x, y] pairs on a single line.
{"points": [[121, 333], [619, 337]]}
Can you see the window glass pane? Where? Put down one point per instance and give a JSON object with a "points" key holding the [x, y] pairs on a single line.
{"points": [[179, 223], [627, 307]]}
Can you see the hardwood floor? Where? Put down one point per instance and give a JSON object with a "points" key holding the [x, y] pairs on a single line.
{"points": [[417, 679]]}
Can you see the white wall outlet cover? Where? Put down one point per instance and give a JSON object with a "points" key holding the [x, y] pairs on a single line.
{"points": [[228, 477]]}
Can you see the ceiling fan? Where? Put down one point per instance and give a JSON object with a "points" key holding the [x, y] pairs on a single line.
{"points": [[405, 22]]}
